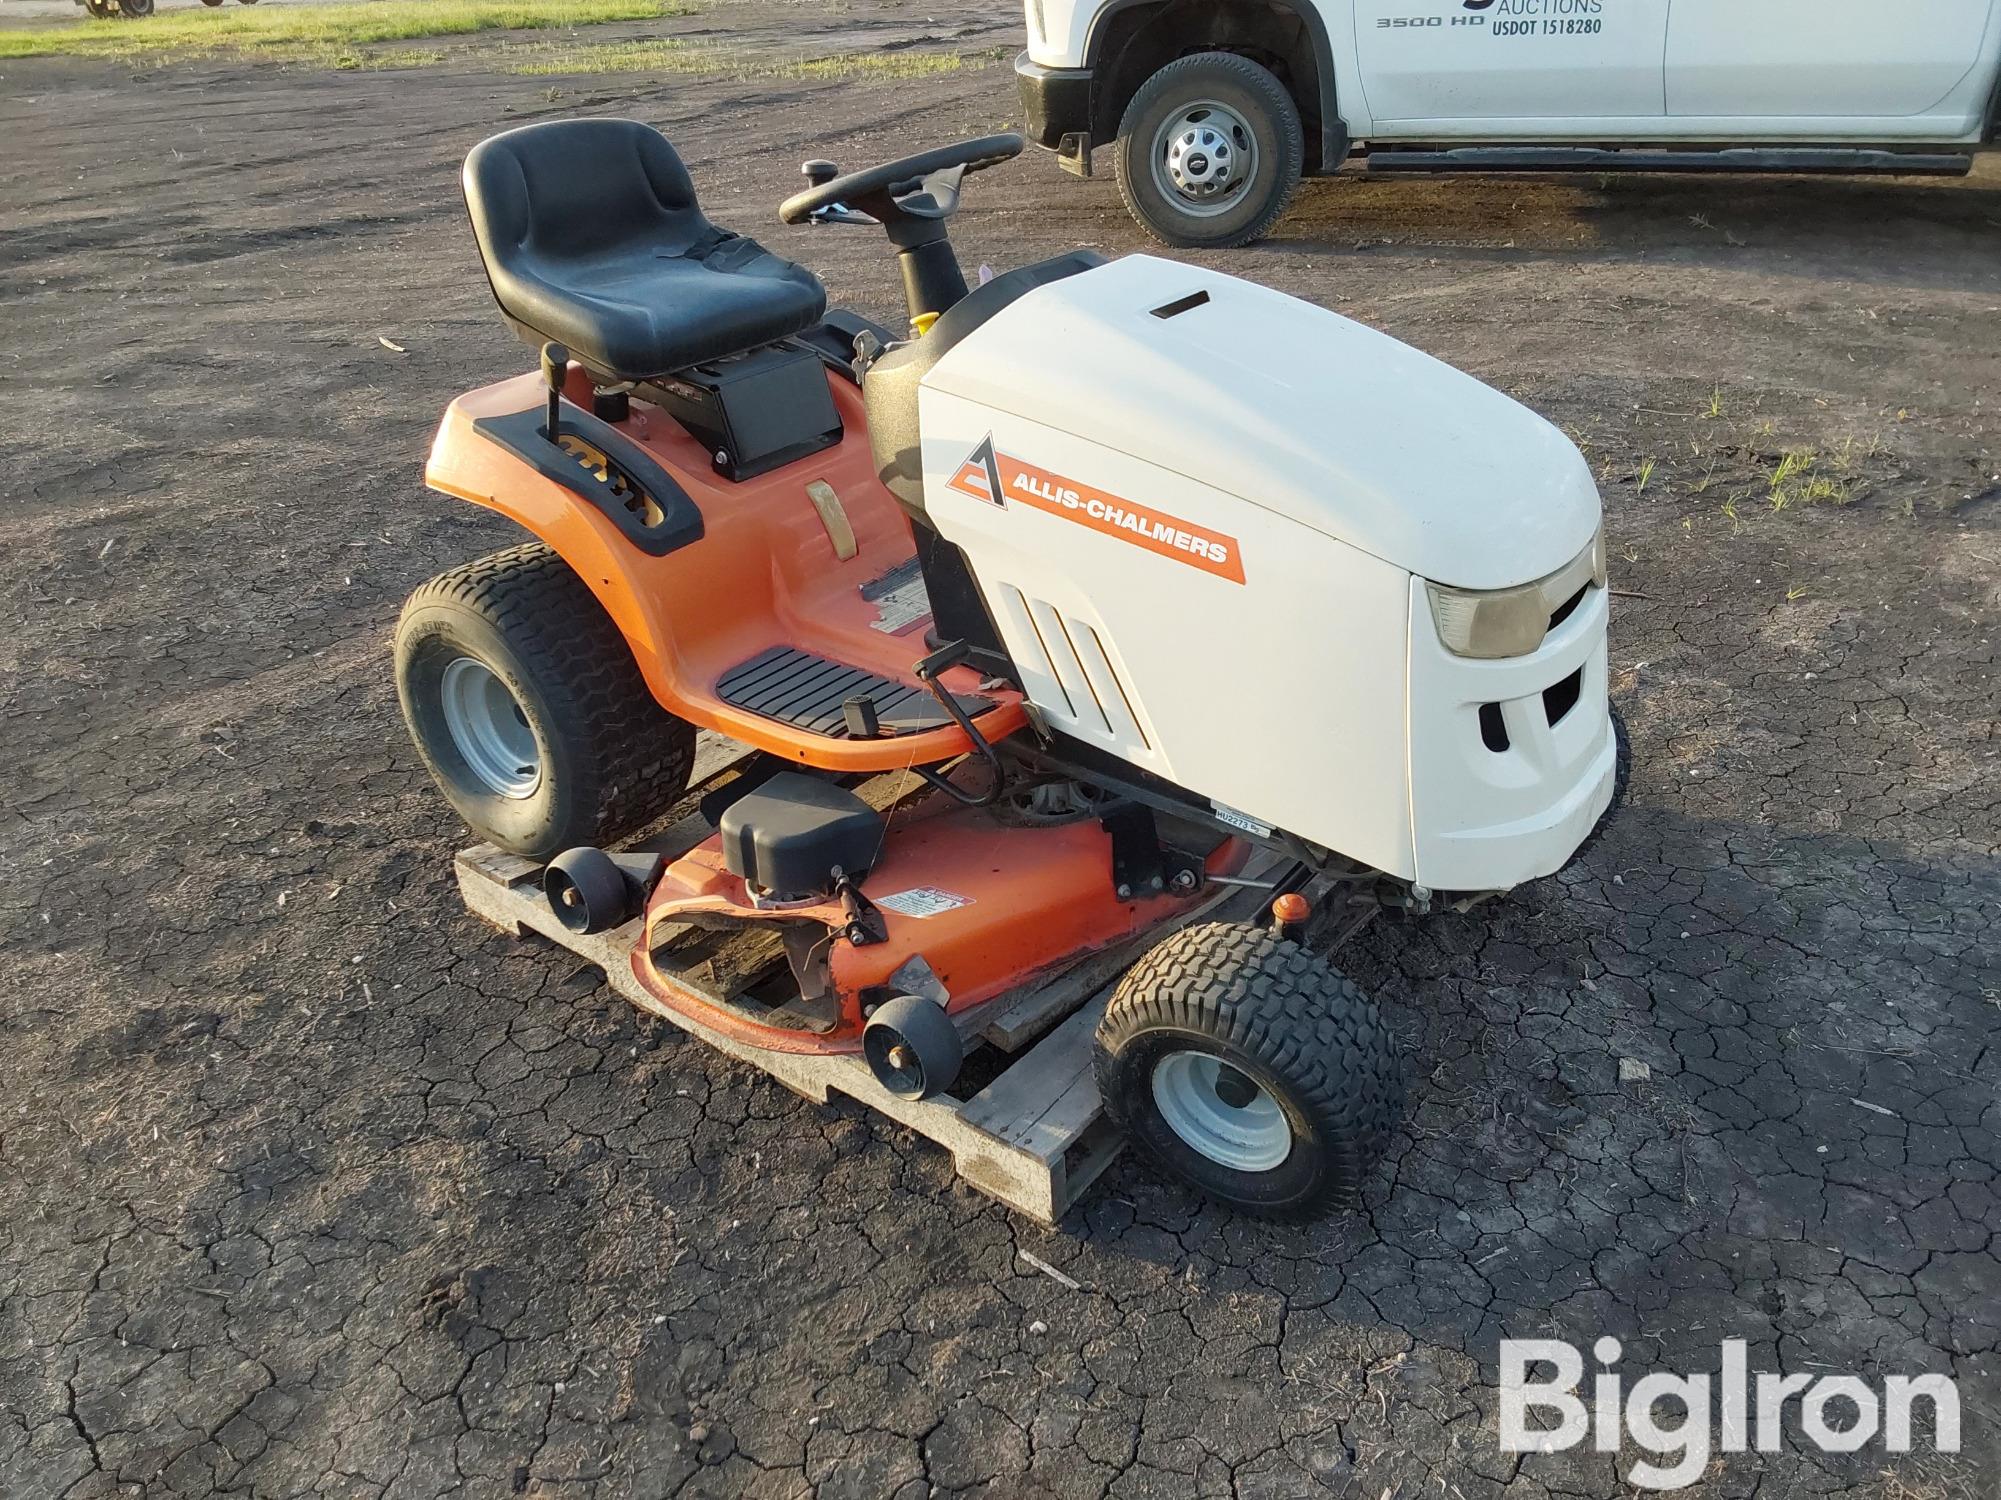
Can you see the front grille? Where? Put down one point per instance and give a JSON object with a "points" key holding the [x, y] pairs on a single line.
{"points": [[1568, 607], [1562, 697]]}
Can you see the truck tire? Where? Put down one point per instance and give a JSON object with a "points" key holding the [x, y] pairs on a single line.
{"points": [[132, 10], [1209, 152], [1244, 1064], [528, 709]]}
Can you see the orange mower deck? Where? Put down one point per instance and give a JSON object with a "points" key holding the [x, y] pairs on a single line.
{"points": [[980, 905]]}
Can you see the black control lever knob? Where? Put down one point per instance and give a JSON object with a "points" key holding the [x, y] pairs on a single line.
{"points": [[817, 172], [555, 365]]}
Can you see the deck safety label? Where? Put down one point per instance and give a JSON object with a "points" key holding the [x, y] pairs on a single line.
{"points": [[1002, 479], [923, 901]]}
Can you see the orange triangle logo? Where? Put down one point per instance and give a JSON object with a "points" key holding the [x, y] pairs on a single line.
{"points": [[979, 475]]}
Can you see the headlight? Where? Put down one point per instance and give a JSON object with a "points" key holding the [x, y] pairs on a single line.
{"points": [[1493, 624]]}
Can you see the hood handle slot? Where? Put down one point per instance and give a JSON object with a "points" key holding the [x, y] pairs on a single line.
{"points": [[1181, 305]]}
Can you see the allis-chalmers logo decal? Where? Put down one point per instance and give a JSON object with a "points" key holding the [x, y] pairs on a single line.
{"points": [[1000, 478]]}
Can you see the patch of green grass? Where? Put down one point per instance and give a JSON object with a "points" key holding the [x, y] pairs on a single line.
{"points": [[1796, 481], [669, 55], [327, 34], [1646, 475]]}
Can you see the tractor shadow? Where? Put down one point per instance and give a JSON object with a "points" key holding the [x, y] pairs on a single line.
{"points": [[1704, 1042]]}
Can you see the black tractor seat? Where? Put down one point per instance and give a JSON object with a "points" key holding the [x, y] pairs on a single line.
{"points": [[592, 237]]}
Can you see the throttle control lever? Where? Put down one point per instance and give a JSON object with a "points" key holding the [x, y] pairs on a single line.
{"points": [[817, 172]]}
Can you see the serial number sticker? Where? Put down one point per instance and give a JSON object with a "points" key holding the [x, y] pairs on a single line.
{"points": [[902, 607], [1244, 821], [923, 901]]}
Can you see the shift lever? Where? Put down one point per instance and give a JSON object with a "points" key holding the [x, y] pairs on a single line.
{"points": [[555, 365]]}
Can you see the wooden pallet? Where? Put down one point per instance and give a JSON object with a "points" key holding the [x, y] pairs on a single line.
{"points": [[1035, 1138]]}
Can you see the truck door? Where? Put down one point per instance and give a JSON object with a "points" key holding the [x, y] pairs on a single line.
{"points": [[1824, 59], [1537, 68]]}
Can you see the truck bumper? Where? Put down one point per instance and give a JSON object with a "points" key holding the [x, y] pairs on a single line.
{"points": [[1056, 110]]}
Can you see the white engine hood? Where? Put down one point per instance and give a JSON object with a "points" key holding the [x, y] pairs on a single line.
{"points": [[1291, 408]]}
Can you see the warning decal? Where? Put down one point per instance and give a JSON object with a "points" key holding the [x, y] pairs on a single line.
{"points": [[1002, 479], [923, 901]]}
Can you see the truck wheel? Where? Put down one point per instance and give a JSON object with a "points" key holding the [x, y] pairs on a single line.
{"points": [[528, 708], [132, 10], [1209, 151], [1242, 1063]]}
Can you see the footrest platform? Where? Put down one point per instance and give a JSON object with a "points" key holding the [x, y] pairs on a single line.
{"points": [[806, 691]]}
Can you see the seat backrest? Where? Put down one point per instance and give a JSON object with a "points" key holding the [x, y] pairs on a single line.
{"points": [[578, 189]]}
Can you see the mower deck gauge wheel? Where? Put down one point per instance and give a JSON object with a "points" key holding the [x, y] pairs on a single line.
{"points": [[912, 1047], [587, 891]]}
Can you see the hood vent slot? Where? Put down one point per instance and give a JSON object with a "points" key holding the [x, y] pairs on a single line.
{"points": [[1181, 305]]}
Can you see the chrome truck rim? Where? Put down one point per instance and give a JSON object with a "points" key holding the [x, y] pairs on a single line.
{"points": [[1220, 1113], [1204, 158], [489, 729]]}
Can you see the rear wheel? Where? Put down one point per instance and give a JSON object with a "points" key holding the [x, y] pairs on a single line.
{"points": [[1243, 1064], [1209, 151], [134, 9], [528, 708]]}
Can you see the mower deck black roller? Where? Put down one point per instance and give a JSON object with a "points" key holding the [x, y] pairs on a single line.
{"points": [[806, 691], [1034, 1138]]}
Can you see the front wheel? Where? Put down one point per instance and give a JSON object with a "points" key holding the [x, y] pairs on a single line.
{"points": [[1242, 1063], [528, 708], [1209, 152], [132, 10]]}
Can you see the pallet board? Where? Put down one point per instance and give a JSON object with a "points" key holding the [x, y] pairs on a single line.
{"points": [[1034, 1139]]}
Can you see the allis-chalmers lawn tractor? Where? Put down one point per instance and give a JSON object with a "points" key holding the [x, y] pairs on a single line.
{"points": [[1104, 587]]}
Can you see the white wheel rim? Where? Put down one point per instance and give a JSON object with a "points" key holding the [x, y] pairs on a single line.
{"points": [[489, 729], [1249, 1137], [1204, 158]]}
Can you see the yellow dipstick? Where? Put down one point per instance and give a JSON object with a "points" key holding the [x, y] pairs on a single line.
{"points": [[921, 324]]}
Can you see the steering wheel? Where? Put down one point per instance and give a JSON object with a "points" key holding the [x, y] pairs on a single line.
{"points": [[924, 187]]}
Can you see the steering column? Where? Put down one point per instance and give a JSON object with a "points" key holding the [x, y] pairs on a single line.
{"points": [[912, 199]]}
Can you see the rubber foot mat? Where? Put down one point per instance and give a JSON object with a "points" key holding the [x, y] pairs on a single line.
{"points": [[806, 691]]}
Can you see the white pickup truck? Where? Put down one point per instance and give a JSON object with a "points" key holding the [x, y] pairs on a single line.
{"points": [[1214, 108]]}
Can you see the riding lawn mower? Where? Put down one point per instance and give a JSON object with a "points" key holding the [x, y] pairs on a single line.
{"points": [[1103, 586]]}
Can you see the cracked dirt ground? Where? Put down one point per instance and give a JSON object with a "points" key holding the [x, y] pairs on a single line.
{"points": [[309, 1185]]}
